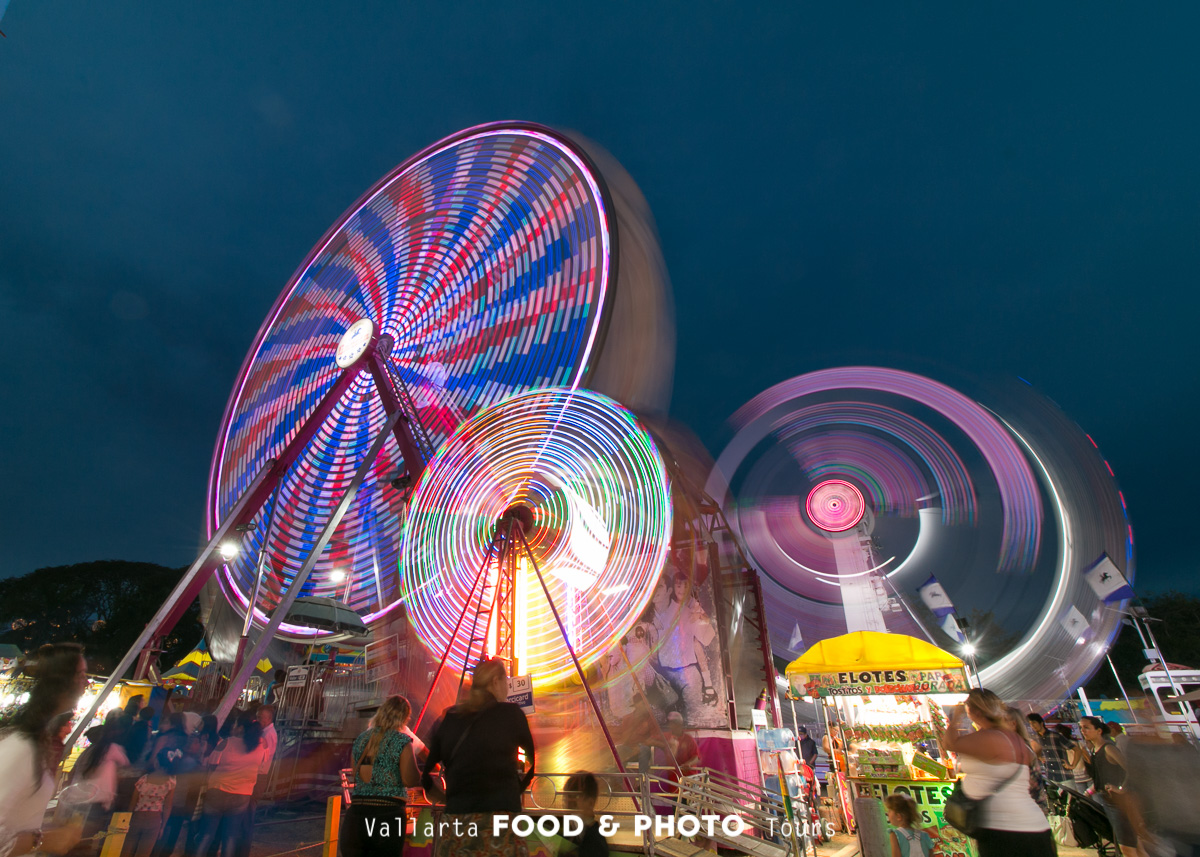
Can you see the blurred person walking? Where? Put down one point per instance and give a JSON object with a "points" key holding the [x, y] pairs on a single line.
{"points": [[230, 786], [384, 766], [1054, 749], [28, 754], [477, 743], [95, 779], [139, 739], [995, 766], [1108, 774], [1163, 794]]}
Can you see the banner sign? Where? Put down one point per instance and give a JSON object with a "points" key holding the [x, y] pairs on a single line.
{"points": [[931, 804], [877, 682]]}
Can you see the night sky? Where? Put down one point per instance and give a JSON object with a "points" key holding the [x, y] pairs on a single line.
{"points": [[1007, 195]]}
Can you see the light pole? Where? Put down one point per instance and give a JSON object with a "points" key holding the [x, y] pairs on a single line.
{"points": [[968, 650]]}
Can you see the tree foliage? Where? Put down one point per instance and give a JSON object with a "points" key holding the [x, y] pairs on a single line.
{"points": [[104, 605], [1178, 635]]}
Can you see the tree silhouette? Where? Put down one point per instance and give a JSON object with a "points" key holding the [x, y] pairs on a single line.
{"points": [[1178, 635], [104, 605]]}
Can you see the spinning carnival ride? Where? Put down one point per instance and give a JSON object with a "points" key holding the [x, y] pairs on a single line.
{"points": [[878, 500], [568, 489], [496, 261], [482, 267]]}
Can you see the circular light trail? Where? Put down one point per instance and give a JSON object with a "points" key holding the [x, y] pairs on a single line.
{"points": [[599, 502], [835, 506]]}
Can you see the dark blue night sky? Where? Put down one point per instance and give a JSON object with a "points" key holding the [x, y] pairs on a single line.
{"points": [[947, 191]]}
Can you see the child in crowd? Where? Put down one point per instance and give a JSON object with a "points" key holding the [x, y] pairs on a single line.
{"points": [[907, 840], [152, 797], [582, 791]]}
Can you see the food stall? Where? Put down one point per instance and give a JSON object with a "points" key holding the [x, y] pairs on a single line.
{"points": [[884, 699]]}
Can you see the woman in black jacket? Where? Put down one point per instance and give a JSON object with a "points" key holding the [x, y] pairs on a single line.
{"points": [[477, 744]]}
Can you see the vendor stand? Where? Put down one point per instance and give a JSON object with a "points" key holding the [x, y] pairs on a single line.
{"points": [[883, 696]]}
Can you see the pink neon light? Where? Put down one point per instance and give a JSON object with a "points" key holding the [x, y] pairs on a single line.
{"points": [[835, 506]]}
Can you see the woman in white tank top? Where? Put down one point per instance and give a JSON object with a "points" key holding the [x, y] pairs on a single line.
{"points": [[995, 765]]}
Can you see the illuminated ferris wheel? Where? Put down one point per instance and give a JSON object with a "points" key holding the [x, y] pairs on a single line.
{"points": [[537, 534], [482, 267]]}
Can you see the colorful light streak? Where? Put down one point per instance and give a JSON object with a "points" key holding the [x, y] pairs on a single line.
{"points": [[835, 506], [601, 508], [771, 412], [486, 259]]}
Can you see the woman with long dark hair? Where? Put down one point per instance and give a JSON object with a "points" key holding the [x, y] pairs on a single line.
{"points": [[238, 760], [477, 745], [383, 763], [29, 753], [995, 766], [97, 769]]}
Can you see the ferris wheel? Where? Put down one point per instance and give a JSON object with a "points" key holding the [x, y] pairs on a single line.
{"points": [[483, 266], [880, 500], [537, 534]]}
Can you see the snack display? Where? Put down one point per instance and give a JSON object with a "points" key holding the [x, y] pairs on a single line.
{"points": [[892, 737]]}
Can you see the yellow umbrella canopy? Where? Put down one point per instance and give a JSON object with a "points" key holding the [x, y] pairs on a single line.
{"points": [[198, 656], [867, 662]]}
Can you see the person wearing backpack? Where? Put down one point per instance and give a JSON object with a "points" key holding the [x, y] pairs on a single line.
{"points": [[995, 767], [382, 758]]}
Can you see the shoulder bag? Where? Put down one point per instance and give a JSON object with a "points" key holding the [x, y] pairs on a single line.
{"points": [[964, 813]]}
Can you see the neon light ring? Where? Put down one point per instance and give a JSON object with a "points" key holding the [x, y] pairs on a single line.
{"points": [[487, 262], [835, 506], [1006, 506], [599, 530]]}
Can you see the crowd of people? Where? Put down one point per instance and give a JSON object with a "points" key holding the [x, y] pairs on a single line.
{"points": [[479, 761], [1146, 788], [189, 784], [180, 777]]}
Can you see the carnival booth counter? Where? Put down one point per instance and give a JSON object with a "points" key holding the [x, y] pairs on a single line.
{"points": [[883, 697]]}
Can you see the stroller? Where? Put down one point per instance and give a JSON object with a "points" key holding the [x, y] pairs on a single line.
{"points": [[1085, 816]]}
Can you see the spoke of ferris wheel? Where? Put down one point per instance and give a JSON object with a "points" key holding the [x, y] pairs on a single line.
{"points": [[562, 629], [239, 678], [420, 434], [487, 556], [393, 403]]}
